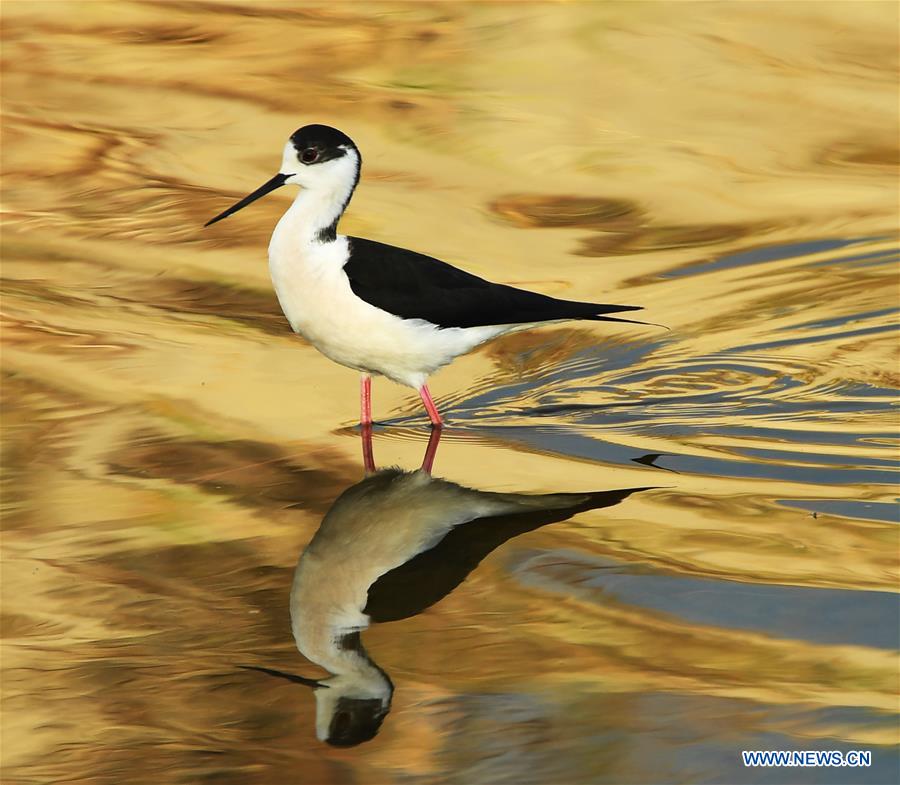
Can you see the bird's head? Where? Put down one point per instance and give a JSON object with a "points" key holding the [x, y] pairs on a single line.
{"points": [[317, 158], [350, 706], [353, 707]]}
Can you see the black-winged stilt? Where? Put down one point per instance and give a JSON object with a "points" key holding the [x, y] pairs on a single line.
{"points": [[377, 308]]}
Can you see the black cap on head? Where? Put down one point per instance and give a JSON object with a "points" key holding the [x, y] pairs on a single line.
{"points": [[326, 142]]}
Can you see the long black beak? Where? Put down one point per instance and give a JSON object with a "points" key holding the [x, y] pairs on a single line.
{"points": [[276, 182], [306, 682]]}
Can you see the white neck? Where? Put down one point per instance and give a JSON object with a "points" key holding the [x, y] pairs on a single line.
{"points": [[311, 216], [325, 190], [324, 609]]}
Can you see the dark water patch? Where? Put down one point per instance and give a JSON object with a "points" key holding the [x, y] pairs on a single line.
{"points": [[250, 473], [877, 262], [506, 737], [276, 11], [20, 625], [889, 512], [862, 154], [254, 308], [165, 35], [715, 367], [766, 253], [621, 226], [840, 321], [842, 476], [815, 458], [575, 409], [38, 290], [163, 211], [797, 341], [809, 437], [817, 615], [573, 443], [536, 210], [233, 574], [147, 34], [860, 260], [659, 238]]}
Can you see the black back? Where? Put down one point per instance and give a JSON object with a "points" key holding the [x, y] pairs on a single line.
{"points": [[414, 286]]}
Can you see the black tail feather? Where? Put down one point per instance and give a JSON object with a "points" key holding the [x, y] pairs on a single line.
{"points": [[596, 312], [599, 318]]}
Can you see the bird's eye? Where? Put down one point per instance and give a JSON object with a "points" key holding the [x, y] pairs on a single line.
{"points": [[309, 155]]}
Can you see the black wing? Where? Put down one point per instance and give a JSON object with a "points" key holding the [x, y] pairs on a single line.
{"points": [[414, 286]]}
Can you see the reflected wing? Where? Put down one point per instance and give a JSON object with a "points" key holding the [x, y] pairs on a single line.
{"points": [[430, 576]]}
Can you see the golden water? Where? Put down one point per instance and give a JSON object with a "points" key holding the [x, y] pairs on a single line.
{"points": [[170, 447]]}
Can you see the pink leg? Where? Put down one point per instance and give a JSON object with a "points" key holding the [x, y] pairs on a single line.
{"points": [[365, 399], [431, 450], [436, 421], [368, 452]]}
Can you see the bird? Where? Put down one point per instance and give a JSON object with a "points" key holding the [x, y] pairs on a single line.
{"points": [[390, 547], [376, 308]]}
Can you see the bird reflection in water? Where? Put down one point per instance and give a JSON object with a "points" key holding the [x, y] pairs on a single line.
{"points": [[390, 547]]}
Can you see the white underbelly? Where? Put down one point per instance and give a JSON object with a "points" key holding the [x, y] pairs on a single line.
{"points": [[320, 305]]}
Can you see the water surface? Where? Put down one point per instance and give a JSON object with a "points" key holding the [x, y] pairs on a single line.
{"points": [[171, 448]]}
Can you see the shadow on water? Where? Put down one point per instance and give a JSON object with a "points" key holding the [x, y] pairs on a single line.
{"points": [[389, 548]]}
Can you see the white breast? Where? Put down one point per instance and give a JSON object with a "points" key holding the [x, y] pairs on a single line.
{"points": [[315, 295]]}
